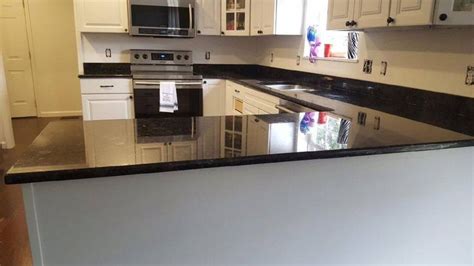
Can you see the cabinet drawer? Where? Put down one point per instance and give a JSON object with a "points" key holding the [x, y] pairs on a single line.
{"points": [[104, 86]]}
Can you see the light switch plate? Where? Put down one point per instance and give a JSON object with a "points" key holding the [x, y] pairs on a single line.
{"points": [[208, 55], [470, 76], [383, 68]]}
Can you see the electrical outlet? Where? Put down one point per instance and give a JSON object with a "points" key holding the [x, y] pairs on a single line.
{"points": [[298, 60], [367, 66], [271, 58], [383, 68], [470, 76], [108, 53], [208, 55], [362, 118]]}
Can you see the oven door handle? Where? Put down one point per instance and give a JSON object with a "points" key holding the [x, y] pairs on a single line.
{"points": [[148, 83]]}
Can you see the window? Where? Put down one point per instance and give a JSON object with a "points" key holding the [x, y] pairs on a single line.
{"points": [[328, 44]]}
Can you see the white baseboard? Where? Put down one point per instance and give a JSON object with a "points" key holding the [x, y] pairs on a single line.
{"points": [[60, 114]]}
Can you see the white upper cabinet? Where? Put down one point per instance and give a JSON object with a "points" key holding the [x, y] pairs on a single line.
{"points": [[370, 13], [454, 12], [235, 17], [101, 16], [340, 14], [208, 14], [277, 17], [411, 12]]}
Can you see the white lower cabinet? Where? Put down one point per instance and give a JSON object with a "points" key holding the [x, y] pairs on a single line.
{"points": [[214, 97], [107, 106], [166, 152], [257, 136]]}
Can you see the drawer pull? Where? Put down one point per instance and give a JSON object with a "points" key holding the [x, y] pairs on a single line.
{"points": [[106, 86]]}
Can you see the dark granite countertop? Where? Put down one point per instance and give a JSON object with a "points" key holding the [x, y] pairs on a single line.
{"points": [[73, 149]]}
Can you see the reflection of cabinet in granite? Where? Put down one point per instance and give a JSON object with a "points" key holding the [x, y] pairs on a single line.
{"points": [[166, 152], [270, 138], [110, 142], [209, 141], [233, 136]]}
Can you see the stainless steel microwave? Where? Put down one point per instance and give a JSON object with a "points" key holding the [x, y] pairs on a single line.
{"points": [[162, 18]]}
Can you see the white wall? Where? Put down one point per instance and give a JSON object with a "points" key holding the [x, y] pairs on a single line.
{"points": [[53, 46], [434, 60], [224, 50], [6, 130], [395, 209]]}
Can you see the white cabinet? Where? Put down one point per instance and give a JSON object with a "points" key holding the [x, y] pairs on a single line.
{"points": [[214, 97], [107, 106], [166, 152], [366, 14], [208, 14], [411, 13], [101, 16], [371, 13], [276, 17], [454, 12], [257, 137], [107, 99], [340, 14], [235, 17]]}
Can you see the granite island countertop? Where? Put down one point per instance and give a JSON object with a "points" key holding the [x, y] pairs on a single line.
{"points": [[73, 149]]}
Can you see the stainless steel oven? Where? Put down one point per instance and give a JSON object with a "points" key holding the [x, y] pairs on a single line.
{"points": [[162, 18], [152, 67]]}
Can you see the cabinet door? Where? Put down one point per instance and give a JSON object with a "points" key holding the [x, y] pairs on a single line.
{"points": [[256, 17], [151, 153], [107, 106], [257, 136], [214, 97], [371, 13], [102, 16], [412, 12], [208, 14], [182, 151], [454, 12], [235, 17], [340, 12], [229, 98], [268, 17]]}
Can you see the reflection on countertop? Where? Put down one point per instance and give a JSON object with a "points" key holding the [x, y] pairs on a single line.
{"points": [[76, 149]]}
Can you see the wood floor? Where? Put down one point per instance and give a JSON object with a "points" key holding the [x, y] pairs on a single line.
{"points": [[14, 245]]}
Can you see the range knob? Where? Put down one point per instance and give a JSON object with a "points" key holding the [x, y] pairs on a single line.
{"points": [[179, 57], [137, 56], [145, 56], [186, 57]]}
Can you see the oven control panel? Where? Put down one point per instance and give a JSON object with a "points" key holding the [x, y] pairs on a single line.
{"points": [[161, 57]]}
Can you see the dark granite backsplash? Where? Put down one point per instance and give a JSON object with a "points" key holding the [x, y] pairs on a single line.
{"points": [[106, 69]]}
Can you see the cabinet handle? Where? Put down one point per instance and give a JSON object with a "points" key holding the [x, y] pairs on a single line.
{"points": [[348, 23], [256, 120], [237, 91], [353, 23], [443, 17], [222, 33], [390, 20], [106, 86], [260, 32]]}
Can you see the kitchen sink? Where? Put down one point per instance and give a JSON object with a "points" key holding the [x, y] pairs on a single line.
{"points": [[288, 87]]}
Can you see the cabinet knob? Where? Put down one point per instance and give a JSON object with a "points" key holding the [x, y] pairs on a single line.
{"points": [[126, 30], [256, 120], [204, 82], [353, 23], [260, 32], [199, 32], [443, 17], [222, 33], [390, 20], [348, 23], [237, 91], [131, 97]]}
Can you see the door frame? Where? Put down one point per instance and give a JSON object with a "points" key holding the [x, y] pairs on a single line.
{"points": [[5, 115]]}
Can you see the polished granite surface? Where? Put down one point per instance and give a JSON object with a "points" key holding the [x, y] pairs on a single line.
{"points": [[75, 149]]}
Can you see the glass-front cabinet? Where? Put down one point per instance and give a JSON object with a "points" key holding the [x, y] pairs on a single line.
{"points": [[454, 12], [235, 17]]}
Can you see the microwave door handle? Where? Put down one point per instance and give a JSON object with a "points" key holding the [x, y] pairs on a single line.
{"points": [[190, 17]]}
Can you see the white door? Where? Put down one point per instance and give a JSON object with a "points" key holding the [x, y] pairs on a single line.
{"points": [[107, 106], [16, 53], [371, 13], [152, 153], [208, 14], [182, 151], [412, 12], [340, 13], [454, 12], [102, 16]]}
